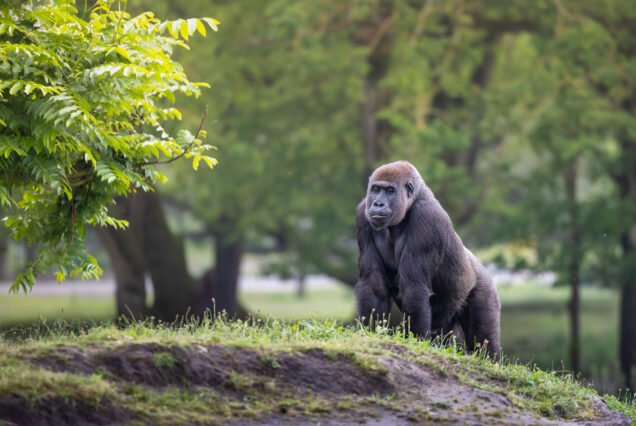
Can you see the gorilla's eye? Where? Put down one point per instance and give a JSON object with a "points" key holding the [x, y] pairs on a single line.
{"points": [[390, 190], [375, 188]]}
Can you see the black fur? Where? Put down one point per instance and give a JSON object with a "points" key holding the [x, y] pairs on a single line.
{"points": [[410, 253]]}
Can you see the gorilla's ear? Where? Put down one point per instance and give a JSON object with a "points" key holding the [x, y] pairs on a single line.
{"points": [[409, 189]]}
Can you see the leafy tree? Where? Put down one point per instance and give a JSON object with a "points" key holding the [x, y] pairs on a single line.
{"points": [[148, 247], [309, 99], [570, 126], [520, 116], [572, 194], [83, 119], [290, 168]]}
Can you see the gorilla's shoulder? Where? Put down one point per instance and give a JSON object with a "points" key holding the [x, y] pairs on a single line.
{"points": [[428, 210]]}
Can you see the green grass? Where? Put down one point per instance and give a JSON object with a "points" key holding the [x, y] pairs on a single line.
{"points": [[163, 360], [32, 384], [626, 406], [534, 321], [540, 393]]}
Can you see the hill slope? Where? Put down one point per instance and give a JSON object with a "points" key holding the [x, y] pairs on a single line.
{"points": [[276, 373]]}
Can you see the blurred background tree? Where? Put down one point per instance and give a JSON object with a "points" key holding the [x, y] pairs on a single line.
{"points": [[81, 122], [521, 116]]}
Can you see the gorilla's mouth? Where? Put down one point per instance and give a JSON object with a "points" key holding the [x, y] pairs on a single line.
{"points": [[379, 220]]}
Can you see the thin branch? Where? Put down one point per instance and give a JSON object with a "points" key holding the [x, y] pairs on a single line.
{"points": [[187, 149], [421, 17], [565, 12], [384, 28]]}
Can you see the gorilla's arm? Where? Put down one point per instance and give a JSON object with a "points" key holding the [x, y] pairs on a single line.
{"points": [[422, 247], [372, 294]]}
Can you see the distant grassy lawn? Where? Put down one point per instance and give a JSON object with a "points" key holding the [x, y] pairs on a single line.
{"points": [[17, 309], [320, 304], [535, 328], [534, 320]]}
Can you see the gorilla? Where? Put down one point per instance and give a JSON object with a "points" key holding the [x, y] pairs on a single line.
{"points": [[410, 253]]}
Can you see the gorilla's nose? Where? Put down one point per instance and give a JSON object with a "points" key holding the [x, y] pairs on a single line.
{"points": [[378, 204]]}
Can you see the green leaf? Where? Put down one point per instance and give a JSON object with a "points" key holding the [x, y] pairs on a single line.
{"points": [[211, 162], [192, 26], [173, 28], [213, 23], [15, 88], [184, 29], [123, 52], [5, 198], [201, 27]]}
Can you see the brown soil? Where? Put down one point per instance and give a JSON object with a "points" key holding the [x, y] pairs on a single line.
{"points": [[211, 366], [417, 394], [58, 411]]}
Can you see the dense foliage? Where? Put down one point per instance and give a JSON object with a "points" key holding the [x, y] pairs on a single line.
{"points": [[490, 101], [83, 106], [520, 116]]}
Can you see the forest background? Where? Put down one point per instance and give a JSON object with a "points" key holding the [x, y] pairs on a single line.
{"points": [[521, 116]]}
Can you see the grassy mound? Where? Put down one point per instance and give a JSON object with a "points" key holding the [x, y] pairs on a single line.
{"points": [[264, 372]]}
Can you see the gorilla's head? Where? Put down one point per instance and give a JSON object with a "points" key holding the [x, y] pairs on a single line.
{"points": [[392, 189]]}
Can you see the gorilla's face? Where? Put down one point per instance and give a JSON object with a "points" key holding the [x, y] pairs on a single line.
{"points": [[383, 204]]}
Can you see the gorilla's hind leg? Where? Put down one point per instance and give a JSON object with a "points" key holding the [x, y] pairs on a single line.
{"points": [[480, 319]]}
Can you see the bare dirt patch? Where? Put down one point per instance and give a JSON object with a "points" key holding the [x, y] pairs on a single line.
{"points": [[65, 359], [159, 365], [312, 370], [402, 392], [59, 411]]}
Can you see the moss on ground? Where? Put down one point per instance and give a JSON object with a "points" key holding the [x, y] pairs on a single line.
{"points": [[164, 360], [271, 370]]}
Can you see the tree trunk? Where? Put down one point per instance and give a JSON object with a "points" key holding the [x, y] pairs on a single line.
{"points": [[30, 253], [4, 254], [626, 182], [229, 253], [130, 292], [370, 126], [301, 290], [627, 349], [208, 294], [127, 261], [376, 132], [574, 267], [628, 334], [165, 258], [148, 246]]}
